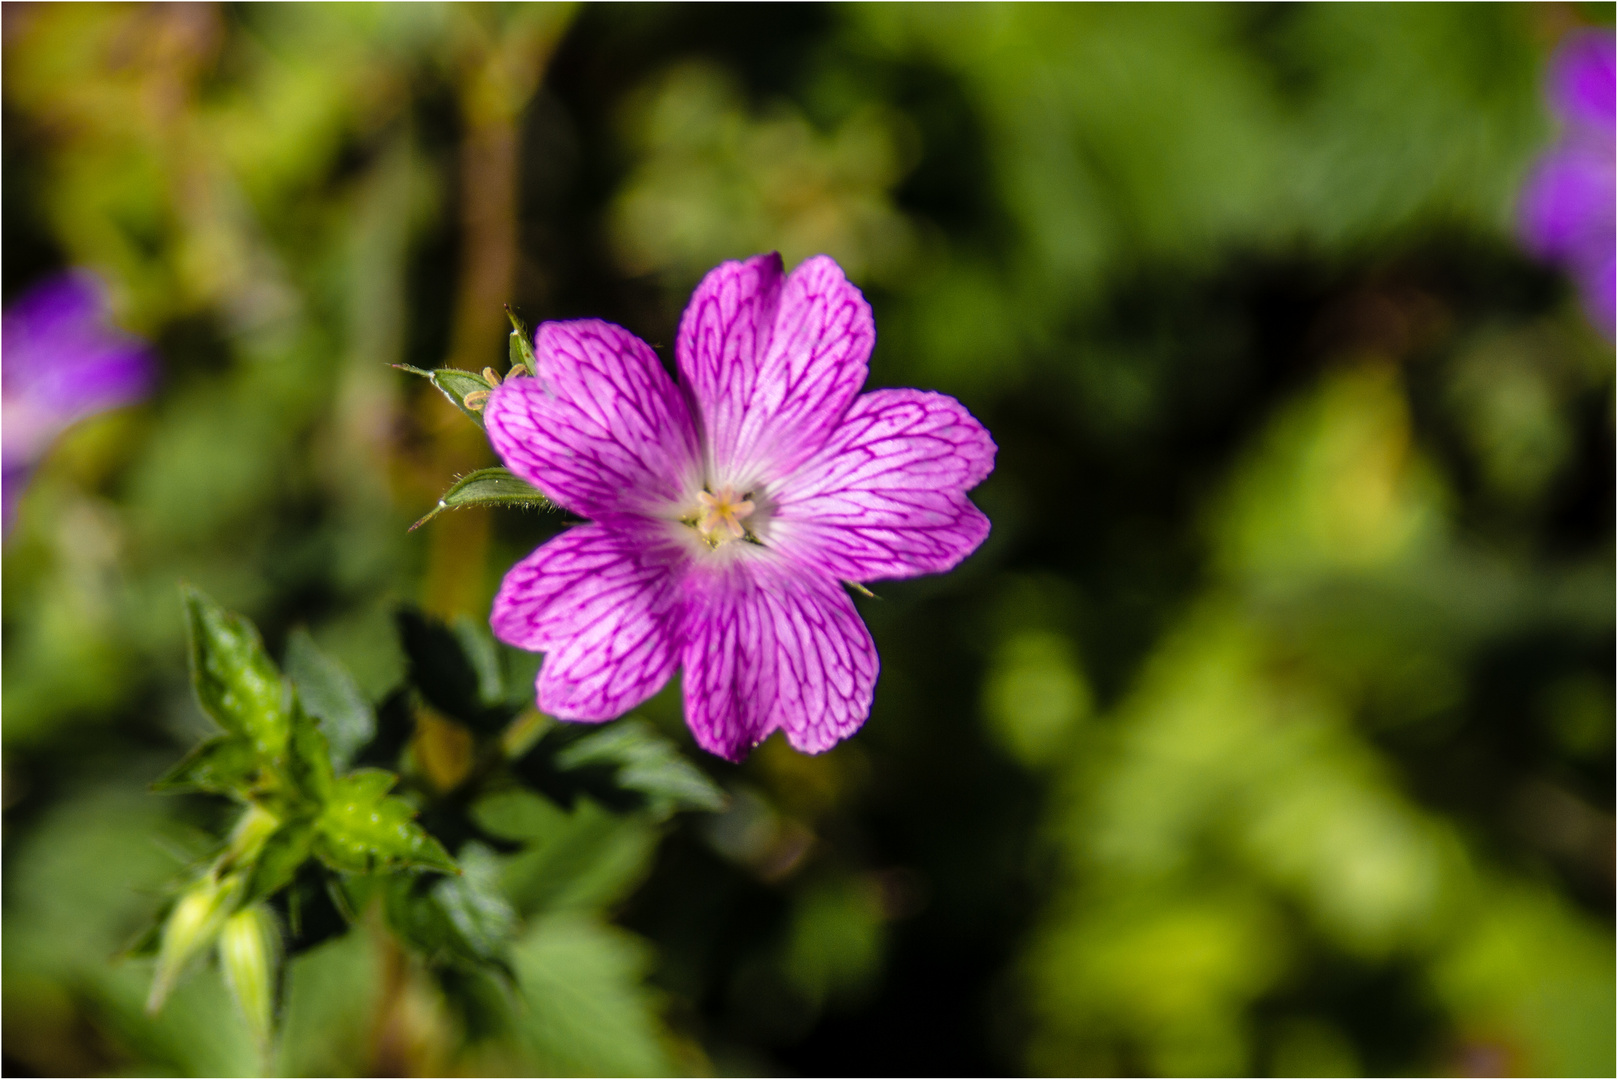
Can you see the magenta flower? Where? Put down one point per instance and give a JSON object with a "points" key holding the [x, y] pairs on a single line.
{"points": [[64, 361], [726, 510], [1566, 211]]}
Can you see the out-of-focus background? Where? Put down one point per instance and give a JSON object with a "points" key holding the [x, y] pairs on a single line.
{"points": [[1271, 730]]}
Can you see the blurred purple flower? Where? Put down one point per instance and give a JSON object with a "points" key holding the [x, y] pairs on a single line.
{"points": [[726, 510], [1566, 211], [60, 361]]}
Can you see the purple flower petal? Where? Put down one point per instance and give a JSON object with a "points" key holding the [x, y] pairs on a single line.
{"points": [[603, 605], [64, 361], [1565, 212], [1598, 288], [1583, 78], [886, 496], [767, 648], [601, 429], [1567, 204], [772, 363]]}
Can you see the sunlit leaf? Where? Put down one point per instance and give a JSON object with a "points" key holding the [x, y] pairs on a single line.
{"points": [[224, 765], [235, 680], [364, 830]]}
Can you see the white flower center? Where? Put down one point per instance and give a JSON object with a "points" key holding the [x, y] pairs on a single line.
{"points": [[718, 516]]}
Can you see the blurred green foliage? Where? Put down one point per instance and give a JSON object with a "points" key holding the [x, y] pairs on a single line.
{"points": [[1270, 732]]}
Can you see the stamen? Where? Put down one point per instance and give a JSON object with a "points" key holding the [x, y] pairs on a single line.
{"points": [[720, 517]]}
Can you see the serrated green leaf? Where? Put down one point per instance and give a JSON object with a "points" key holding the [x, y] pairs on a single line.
{"points": [[454, 384], [464, 918], [224, 765], [645, 762], [236, 682], [363, 830], [331, 696], [278, 860], [476, 907], [493, 486]]}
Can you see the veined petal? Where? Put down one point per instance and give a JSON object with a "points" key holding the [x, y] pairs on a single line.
{"points": [[601, 428], [886, 496], [768, 647], [772, 362], [603, 605]]}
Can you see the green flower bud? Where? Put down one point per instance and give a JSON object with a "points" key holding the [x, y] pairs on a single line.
{"points": [[249, 947], [190, 926], [246, 840]]}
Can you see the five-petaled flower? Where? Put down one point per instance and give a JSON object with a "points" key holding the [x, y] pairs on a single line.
{"points": [[1567, 205], [63, 361], [725, 511]]}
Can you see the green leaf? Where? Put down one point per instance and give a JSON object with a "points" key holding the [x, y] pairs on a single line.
{"points": [[235, 680], [309, 764], [455, 384], [224, 765], [586, 858], [477, 644], [331, 696], [588, 1013], [278, 860], [364, 830], [488, 487], [474, 904], [464, 918], [455, 669], [644, 761]]}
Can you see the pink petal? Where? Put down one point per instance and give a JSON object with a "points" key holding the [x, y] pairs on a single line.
{"points": [[602, 429], [772, 363], [886, 496], [603, 605], [768, 647]]}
